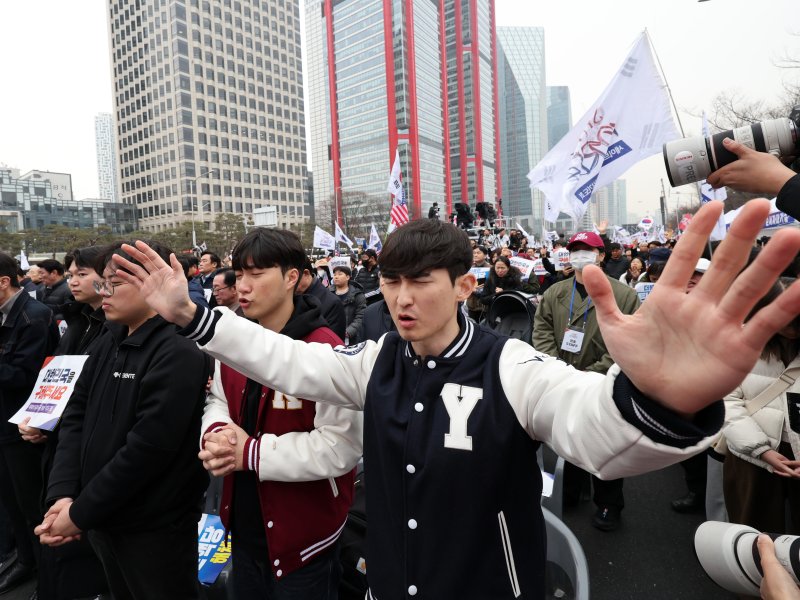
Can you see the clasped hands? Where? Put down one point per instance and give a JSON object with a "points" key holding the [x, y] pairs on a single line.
{"points": [[57, 527], [223, 450]]}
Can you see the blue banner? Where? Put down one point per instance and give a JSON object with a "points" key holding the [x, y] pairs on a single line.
{"points": [[212, 553]]}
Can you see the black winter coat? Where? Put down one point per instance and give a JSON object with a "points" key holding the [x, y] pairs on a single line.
{"points": [[56, 297], [354, 305], [128, 442], [27, 337]]}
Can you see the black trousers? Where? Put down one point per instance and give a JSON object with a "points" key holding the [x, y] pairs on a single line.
{"points": [[150, 565], [606, 494], [694, 472], [7, 543], [20, 490]]}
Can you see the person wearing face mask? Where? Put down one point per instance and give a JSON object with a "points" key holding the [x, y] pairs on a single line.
{"points": [[566, 327]]}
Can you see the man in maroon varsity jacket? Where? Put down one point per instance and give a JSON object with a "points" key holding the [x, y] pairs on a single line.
{"points": [[289, 462]]}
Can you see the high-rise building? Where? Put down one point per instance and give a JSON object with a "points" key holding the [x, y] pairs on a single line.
{"points": [[559, 114], [378, 82], [523, 120], [208, 100], [559, 122], [610, 203], [106, 156], [472, 99]]}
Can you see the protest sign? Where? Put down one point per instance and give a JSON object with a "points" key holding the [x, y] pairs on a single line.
{"points": [[338, 261], [644, 289], [524, 265], [480, 273], [213, 550], [560, 258], [53, 388]]}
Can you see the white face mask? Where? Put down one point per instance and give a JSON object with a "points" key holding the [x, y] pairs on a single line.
{"points": [[581, 258]]}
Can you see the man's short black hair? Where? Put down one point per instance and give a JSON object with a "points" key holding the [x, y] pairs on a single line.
{"points": [[370, 252], [86, 258], [115, 249], [229, 276], [264, 248], [614, 246], [8, 268], [342, 269], [424, 245], [213, 257], [193, 260], [185, 263], [482, 249], [51, 265]]}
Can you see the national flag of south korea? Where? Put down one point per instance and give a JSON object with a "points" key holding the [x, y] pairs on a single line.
{"points": [[399, 213], [323, 239], [707, 194], [630, 121]]}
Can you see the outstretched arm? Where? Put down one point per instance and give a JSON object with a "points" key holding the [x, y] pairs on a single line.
{"points": [[700, 348]]}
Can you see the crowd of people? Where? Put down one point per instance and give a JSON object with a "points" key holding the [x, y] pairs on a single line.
{"points": [[280, 374]]}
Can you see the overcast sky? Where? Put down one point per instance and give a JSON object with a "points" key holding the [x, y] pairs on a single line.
{"points": [[56, 76]]}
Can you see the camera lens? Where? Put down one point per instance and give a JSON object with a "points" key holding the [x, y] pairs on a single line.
{"points": [[693, 159]]}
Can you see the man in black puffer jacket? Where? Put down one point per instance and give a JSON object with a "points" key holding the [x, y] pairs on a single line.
{"points": [[126, 468]]}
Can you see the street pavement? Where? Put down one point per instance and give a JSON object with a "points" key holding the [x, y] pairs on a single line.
{"points": [[651, 556]]}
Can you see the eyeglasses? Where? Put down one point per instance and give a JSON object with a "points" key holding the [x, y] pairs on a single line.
{"points": [[105, 287], [214, 290]]}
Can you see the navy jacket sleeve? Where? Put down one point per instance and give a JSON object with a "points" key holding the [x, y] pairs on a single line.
{"points": [[789, 197]]}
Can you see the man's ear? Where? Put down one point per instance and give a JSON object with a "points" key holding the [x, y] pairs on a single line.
{"points": [[465, 285]]}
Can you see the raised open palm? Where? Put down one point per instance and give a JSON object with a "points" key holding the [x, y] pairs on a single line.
{"points": [[688, 350]]}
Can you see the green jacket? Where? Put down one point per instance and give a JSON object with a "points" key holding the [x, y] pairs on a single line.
{"points": [[551, 319]]}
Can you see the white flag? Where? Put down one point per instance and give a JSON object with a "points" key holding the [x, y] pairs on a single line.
{"points": [[374, 240], [323, 239], [707, 194], [23, 261], [630, 121], [341, 237], [525, 233]]}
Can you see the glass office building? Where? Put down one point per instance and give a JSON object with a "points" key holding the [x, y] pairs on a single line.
{"points": [[523, 122]]}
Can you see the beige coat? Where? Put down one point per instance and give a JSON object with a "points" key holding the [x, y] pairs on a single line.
{"points": [[749, 436]]}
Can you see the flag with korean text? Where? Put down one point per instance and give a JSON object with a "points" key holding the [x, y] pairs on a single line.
{"points": [[399, 212], [629, 122]]}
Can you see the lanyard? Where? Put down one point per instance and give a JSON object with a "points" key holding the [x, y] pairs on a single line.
{"points": [[572, 302]]}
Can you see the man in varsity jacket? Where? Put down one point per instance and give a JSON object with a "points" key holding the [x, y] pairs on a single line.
{"points": [[454, 413], [289, 471]]}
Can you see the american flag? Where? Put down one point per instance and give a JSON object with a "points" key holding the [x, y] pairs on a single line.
{"points": [[399, 213]]}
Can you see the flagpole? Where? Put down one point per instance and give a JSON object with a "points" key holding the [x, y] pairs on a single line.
{"points": [[666, 83]]}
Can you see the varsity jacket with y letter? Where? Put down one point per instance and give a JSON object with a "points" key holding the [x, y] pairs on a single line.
{"points": [[450, 444]]}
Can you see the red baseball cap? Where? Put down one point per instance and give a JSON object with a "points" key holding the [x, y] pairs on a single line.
{"points": [[589, 238]]}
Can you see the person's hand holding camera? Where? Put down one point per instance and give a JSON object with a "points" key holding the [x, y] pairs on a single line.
{"points": [[777, 583], [756, 172]]}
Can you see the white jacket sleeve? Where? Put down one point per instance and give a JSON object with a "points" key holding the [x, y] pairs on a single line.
{"points": [[742, 432], [333, 448], [576, 414], [312, 371], [216, 408]]}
